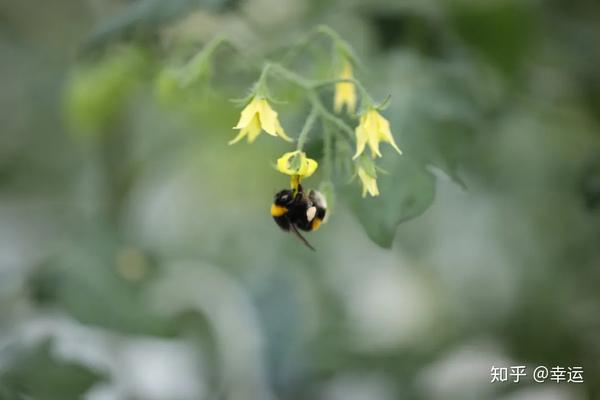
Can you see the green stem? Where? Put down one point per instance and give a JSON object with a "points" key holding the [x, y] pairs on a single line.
{"points": [[197, 65], [313, 97], [299, 46], [310, 121], [329, 117], [327, 31], [261, 84], [363, 91], [291, 76], [327, 152], [337, 40], [323, 30]]}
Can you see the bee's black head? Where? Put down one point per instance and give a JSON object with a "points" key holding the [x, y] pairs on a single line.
{"points": [[284, 197]]}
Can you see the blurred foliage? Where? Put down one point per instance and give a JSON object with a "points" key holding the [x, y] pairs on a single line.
{"points": [[36, 374], [399, 201], [98, 92], [137, 257]]}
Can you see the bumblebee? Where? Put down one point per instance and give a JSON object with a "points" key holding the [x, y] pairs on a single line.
{"points": [[294, 209]]}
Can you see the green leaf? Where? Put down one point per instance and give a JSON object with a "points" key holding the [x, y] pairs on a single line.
{"points": [[436, 112], [101, 282], [406, 192], [35, 373]]}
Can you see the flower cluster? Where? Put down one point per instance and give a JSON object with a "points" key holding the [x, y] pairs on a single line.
{"points": [[372, 128]]}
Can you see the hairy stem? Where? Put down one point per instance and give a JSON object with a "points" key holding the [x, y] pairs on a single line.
{"points": [[327, 151], [329, 117], [310, 121], [314, 99], [363, 91], [197, 64]]}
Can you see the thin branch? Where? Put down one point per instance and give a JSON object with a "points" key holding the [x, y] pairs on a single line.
{"points": [[310, 120]]}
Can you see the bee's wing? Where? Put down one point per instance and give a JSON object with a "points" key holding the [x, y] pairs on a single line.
{"points": [[296, 232], [317, 198]]}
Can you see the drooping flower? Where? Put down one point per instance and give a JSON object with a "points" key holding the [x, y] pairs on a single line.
{"points": [[296, 163], [369, 182], [345, 92], [256, 116], [297, 166], [372, 129]]}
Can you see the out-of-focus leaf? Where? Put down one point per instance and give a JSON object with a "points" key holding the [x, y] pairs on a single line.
{"points": [[410, 25], [441, 143], [503, 32], [95, 93], [210, 291], [434, 110], [167, 87], [406, 192], [101, 282], [590, 185], [36, 374], [144, 18]]}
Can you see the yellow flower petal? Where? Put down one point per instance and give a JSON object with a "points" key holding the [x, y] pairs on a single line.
{"points": [[283, 163], [256, 116], [247, 114], [281, 133], [345, 92], [361, 141], [253, 129], [295, 163], [385, 134], [372, 129], [239, 137], [369, 183], [268, 117], [308, 167]]}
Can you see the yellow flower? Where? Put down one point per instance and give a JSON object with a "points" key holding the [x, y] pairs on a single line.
{"points": [[296, 165], [369, 182], [256, 116], [345, 92], [372, 129]]}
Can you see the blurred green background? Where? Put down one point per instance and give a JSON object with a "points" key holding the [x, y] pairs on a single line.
{"points": [[138, 259]]}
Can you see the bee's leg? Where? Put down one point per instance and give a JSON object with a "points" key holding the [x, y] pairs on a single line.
{"points": [[302, 239], [300, 199]]}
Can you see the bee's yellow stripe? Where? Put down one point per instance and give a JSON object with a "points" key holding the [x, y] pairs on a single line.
{"points": [[278, 211], [315, 224]]}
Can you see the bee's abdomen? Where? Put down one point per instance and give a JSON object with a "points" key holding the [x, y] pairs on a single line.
{"points": [[283, 222], [280, 215]]}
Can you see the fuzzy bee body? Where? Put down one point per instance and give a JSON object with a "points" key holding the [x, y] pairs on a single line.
{"points": [[293, 210]]}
